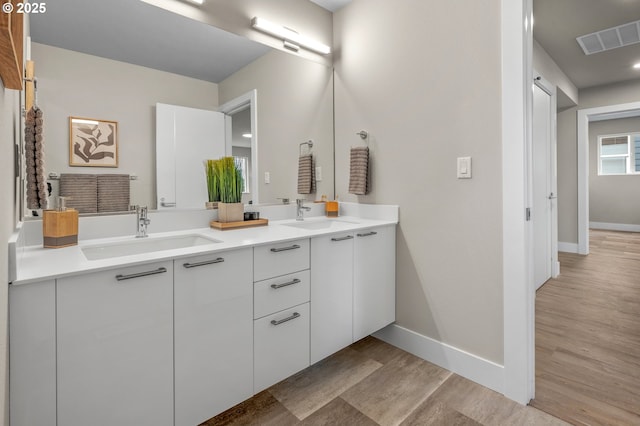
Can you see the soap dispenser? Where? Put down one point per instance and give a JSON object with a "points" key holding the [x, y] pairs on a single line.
{"points": [[60, 226]]}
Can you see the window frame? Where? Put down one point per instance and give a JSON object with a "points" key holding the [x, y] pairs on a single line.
{"points": [[630, 156]]}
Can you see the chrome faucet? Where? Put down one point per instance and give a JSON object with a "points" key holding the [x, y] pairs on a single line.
{"points": [[300, 208], [143, 221]]}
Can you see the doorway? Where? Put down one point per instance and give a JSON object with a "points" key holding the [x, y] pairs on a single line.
{"points": [[584, 117]]}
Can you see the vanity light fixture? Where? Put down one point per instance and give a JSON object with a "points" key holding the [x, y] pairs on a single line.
{"points": [[200, 2], [292, 39], [246, 135], [636, 66]]}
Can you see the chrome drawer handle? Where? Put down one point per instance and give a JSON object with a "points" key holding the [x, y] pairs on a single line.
{"points": [[368, 234], [348, 237], [293, 247], [292, 282], [160, 270], [294, 316], [205, 262]]}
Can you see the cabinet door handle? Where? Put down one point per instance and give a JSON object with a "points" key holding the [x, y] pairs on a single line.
{"points": [[292, 282], [205, 262], [293, 247], [368, 234], [348, 237], [160, 270], [278, 322]]}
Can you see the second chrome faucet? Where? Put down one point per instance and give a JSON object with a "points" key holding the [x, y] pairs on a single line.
{"points": [[300, 209]]}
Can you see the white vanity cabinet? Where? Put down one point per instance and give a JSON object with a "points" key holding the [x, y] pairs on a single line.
{"points": [[331, 294], [213, 334], [32, 354], [374, 280], [115, 347], [281, 311]]}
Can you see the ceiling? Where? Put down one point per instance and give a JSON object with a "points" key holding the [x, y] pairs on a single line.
{"points": [[163, 40], [332, 5], [557, 23]]}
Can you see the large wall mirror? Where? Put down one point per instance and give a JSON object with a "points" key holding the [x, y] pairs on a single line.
{"points": [[116, 60]]}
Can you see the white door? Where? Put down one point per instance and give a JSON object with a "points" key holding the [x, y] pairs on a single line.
{"points": [[185, 137], [543, 193]]}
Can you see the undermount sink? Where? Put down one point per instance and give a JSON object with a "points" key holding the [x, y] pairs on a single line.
{"points": [[146, 245], [321, 223]]}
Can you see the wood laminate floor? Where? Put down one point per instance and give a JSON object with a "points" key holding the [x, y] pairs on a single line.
{"points": [[588, 334], [374, 383]]}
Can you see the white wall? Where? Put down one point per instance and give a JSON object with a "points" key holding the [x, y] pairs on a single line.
{"points": [[428, 93], [295, 104], [613, 94], [81, 85], [9, 133], [612, 199]]}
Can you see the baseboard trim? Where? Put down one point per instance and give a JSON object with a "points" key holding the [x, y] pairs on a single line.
{"points": [[567, 247], [469, 366], [615, 226]]}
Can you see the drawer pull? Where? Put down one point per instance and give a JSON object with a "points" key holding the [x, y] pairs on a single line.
{"points": [[368, 234], [293, 247], [206, 262], [348, 237], [288, 283], [278, 322], [160, 270]]}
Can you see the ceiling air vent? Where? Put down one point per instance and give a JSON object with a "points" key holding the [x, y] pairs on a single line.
{"points": [[611, 38]]}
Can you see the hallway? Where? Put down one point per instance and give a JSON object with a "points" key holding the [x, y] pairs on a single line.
{"points": [[588, 334]]}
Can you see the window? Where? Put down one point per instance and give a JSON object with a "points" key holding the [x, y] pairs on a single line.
{"points": [[619, 154]]}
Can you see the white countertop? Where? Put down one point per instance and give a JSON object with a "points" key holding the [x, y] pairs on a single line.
{"points": [[37, 263]]}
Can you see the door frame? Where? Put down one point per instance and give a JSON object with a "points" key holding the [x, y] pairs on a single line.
{"points": [[517, 232], [551, 90], [242, 102], [585, 116]]}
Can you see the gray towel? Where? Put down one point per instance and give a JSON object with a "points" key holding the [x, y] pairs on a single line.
{"points": [[306, 175], [113, 193], [37, 196], [82, 190], [359, 174]]}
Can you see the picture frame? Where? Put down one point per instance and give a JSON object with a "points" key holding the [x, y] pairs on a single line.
{"points": [[93, 142]]}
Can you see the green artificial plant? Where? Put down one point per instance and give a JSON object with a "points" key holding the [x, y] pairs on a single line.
{"points": [[230, 178], [213, 180]]}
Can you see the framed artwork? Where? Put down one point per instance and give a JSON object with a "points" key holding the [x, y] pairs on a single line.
{"points": [[93, 143]]}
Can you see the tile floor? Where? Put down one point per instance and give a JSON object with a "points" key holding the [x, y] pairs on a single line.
{"points": [[374, 383]]}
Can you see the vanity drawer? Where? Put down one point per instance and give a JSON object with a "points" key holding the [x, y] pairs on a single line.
{"points": [[280, 293], [274, 260], [281, 344]]}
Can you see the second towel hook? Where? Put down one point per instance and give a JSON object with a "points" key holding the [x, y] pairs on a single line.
{"points": [[363, 134], [309, 143]]}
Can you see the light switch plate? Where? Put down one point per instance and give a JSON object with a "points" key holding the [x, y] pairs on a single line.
{"points": [[318, 174], [464, 167], [267, 177]]}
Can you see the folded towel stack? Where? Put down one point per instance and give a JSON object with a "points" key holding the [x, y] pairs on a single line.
{"points": [[306, 175], [113, 193], [359, 174], [82, 190]]}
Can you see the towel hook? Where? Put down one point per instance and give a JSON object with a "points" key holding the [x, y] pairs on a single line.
{"points": [[309, 143], [363, 134]]}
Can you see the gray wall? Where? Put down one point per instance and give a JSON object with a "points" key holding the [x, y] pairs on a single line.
{"points": [[612, 199], [568, 151], [81, 85], [9, 133], [428, 94], [295, 104]]}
